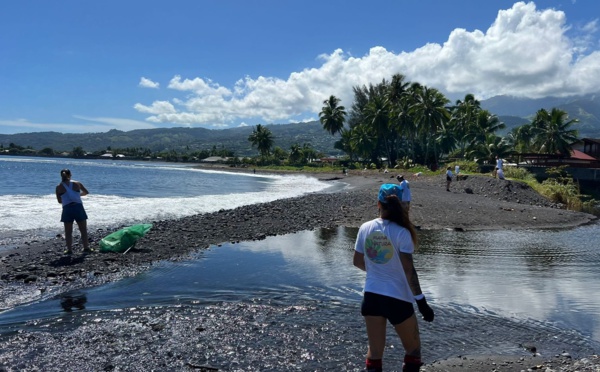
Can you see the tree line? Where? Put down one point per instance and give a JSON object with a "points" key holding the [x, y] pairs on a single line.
{"points": [[399, 122]]}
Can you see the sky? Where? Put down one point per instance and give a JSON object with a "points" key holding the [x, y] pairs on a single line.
{"points": [[75, 66]]}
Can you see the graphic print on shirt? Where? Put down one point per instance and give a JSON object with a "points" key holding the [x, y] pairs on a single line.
{"points": [[378, 248]]}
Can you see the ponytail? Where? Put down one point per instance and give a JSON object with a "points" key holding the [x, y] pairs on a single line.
{"points": [[65, 174], [394, 211]]}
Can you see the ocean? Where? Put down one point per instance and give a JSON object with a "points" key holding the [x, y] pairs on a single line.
{"points": [[127, 192], [491, 290]]}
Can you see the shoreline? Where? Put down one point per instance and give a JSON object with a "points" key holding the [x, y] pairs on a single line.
{"points": [[477, 203]]}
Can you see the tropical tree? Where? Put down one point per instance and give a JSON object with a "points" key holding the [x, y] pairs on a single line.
{"points": [[491, 147], [261, 138], [332, 115], [295, 155], [521, 139], [78, 152], [464, 114], [345, 143], [484, 123], [551, 132], [364, 142], [430, 113]]}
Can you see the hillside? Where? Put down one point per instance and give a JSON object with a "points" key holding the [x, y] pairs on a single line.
{"points": [[179, 139], [584, 108], [512, 111]]}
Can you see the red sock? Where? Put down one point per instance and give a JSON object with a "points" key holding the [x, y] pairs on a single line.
{"points": [[374, 365]]}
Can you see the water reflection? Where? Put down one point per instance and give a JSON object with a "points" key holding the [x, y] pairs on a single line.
{"points": [[532, 277]]}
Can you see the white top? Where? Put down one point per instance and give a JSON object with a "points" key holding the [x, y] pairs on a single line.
{"points": [[381, 241], [499, 163], [405, 187], [456, 169], [70, 196]]}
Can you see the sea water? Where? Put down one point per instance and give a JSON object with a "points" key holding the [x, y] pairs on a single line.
{"points": [[127, 192], [491, 290]]}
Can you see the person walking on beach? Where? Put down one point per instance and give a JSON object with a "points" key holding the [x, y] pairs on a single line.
{"points": [[448, 178], [384, 249], [499, 164], [406, 194], [69, 194]]}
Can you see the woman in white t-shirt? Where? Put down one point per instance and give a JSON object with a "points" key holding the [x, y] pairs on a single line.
{"points": [[384, 249]]}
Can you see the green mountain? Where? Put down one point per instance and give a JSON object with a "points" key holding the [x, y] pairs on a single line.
{"points": [[512, 111], [584, 108], [179, 139]]}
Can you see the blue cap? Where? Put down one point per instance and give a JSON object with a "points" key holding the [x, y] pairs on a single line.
{"points": [[388, 189]]}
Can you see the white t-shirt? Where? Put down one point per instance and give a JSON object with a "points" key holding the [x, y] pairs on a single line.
{"points": [[381, 241], [405, 187], [499, 163], [456, 169]]}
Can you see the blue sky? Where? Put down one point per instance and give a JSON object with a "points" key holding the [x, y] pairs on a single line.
{"points": [[77, 66]]}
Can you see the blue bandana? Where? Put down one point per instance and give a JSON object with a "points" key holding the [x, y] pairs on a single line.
{"points": [[388, 189]]}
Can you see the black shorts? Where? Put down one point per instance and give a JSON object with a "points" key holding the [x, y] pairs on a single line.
{"points": [[448, 178], [393, 309]]}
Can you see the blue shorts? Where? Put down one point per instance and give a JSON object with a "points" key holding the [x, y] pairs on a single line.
{"points": [[393, 309], [73, 212]]}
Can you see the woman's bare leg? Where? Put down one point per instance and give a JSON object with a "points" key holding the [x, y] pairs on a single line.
{"points": [[69, 235], [408, 331], [83, 231], [376, 334]]}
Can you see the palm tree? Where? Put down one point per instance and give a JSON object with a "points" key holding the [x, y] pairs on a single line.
{"points": [[332, 115], [551, 131], [345, 143], [364, 142], [487, 150], [296, 156], [463, 117], [377, 116], [431, 115], [262, 138], [485, 123]]}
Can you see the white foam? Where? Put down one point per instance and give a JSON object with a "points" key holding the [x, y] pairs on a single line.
{"points": [[26, 215]]}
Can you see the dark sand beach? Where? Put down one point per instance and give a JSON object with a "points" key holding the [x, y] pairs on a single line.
{"points": [[38, 267]]}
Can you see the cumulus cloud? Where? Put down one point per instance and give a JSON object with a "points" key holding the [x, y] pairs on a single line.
{"points": [[147, 83], [525, 52]]}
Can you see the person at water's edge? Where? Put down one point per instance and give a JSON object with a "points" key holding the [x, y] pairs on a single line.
{"points": [[392, 283], [69, 193]]}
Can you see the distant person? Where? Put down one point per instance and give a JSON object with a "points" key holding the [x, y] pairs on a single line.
{"points": [[384, 249], [500, 173], [448, 178], [69, 194], [499, 164], [406, 194], [457, 171]]}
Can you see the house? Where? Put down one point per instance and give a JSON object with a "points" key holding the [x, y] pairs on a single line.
{"points": [[589, 146]]}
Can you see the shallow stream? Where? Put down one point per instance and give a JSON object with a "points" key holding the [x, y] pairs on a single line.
{"points": [[493, 291]]}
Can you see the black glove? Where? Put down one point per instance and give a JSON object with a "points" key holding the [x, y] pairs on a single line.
{"points": [[425, 310]]}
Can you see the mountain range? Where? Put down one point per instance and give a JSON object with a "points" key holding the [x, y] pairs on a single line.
{"points": [[513, 111]]}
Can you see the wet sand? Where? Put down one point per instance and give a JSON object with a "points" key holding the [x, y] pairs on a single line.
{"points": [[479, 202]]}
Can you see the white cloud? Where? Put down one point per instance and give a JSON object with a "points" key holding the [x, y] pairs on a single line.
{"points": [[525, 52], [147, 83]]}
